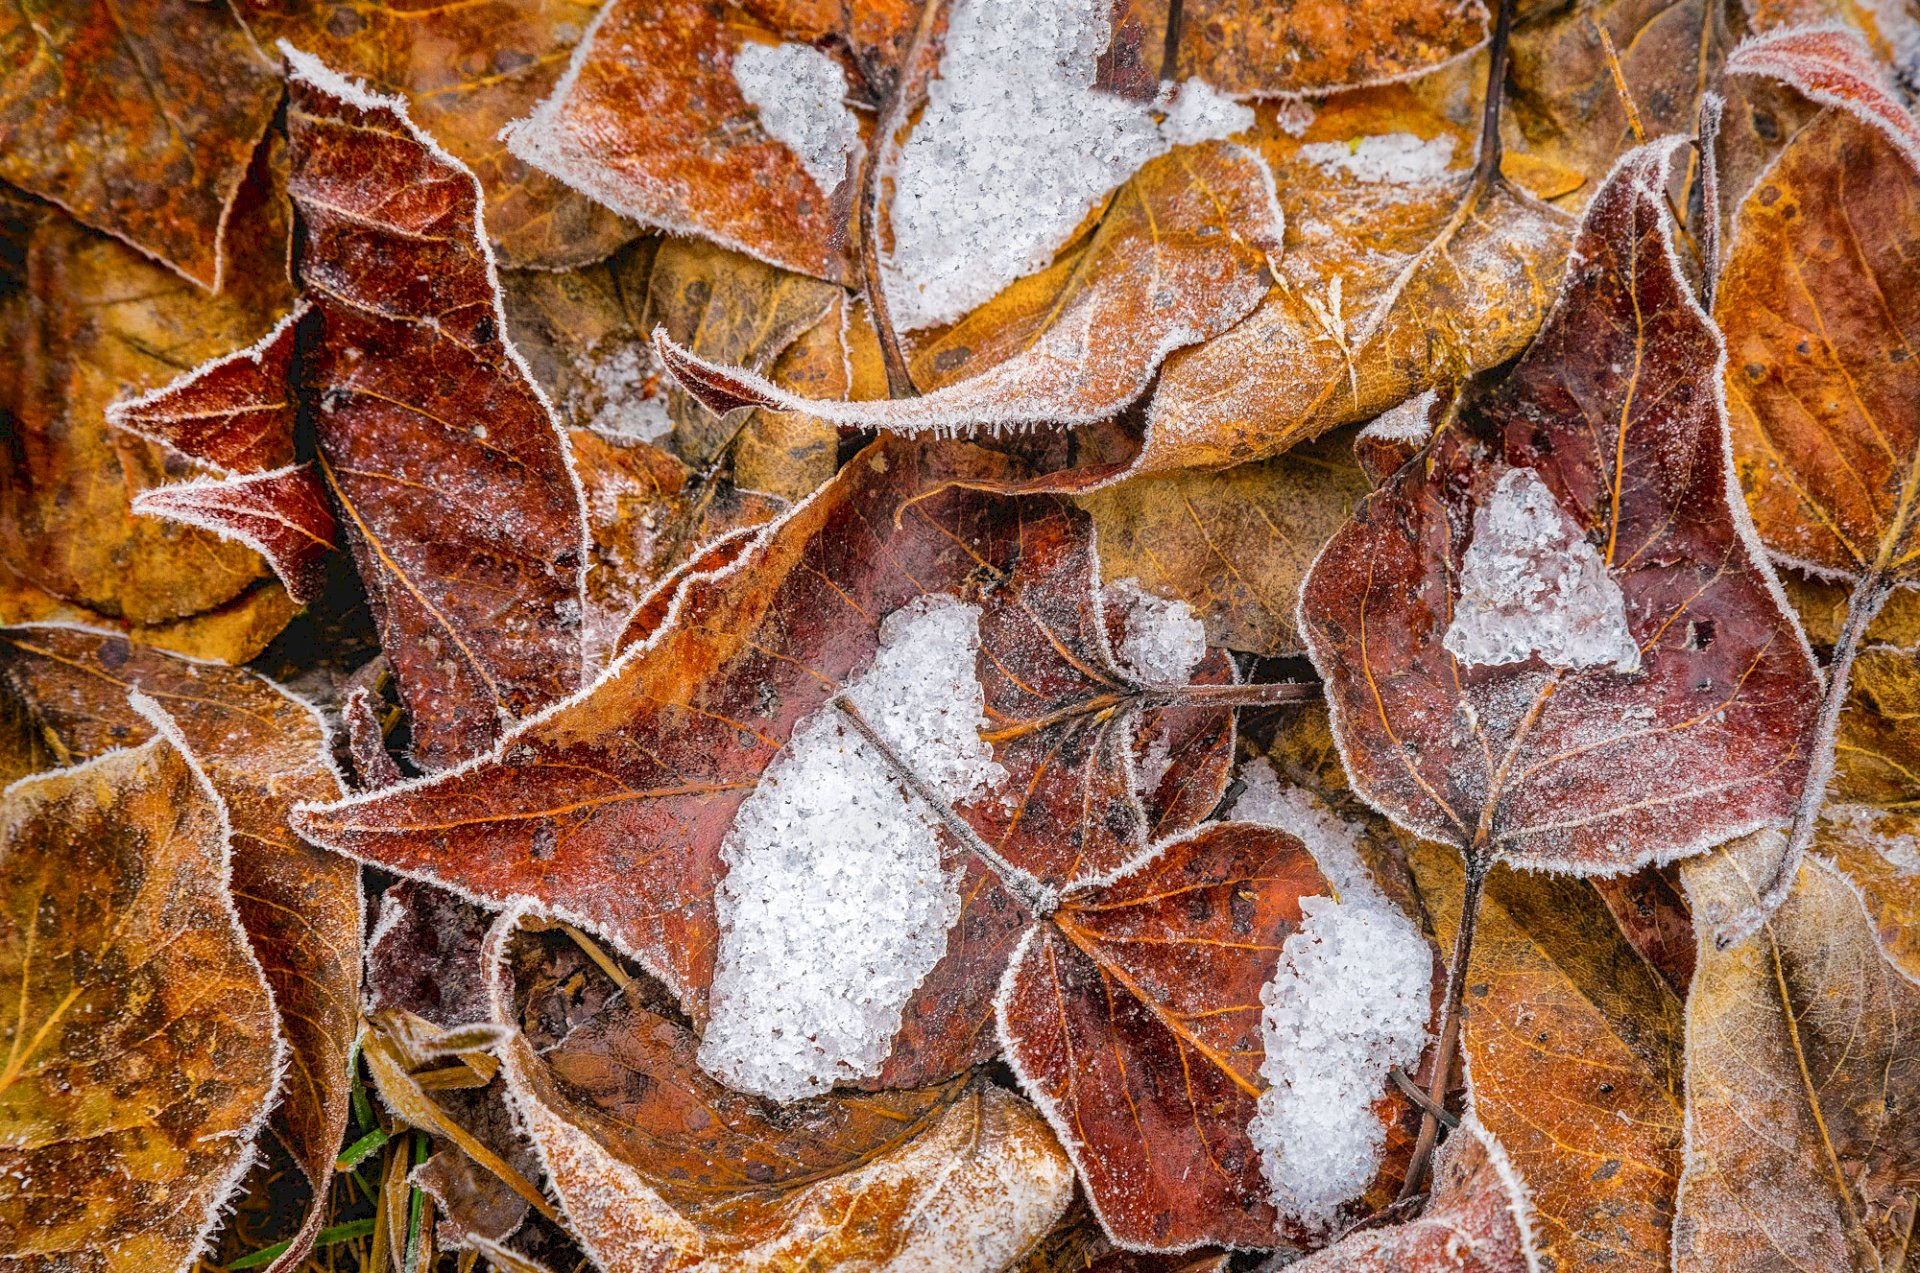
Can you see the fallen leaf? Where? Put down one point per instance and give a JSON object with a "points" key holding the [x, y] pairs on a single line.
{"points": [[650, 121], [451, 473], [89, 321], [133, 1084], [1181, 254], [1397, 275], [1478, 1219], [158, 166], [1233, 545], [1581, 767], [1801, 1075], [1258, 48], [466, 71], [1653, 916], [660, 1167], [1877, 748], [263, 750], [1573, 1060], [791, 454]]}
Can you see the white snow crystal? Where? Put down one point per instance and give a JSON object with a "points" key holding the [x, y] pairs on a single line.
{"points": [[1532, 584], [1349, 1002], [1198, 112], [1397, 158], [1333, 841], [836, 904], [1163, 642], [799, 92], [1898, 849], [1014, 148], [632, 390]]}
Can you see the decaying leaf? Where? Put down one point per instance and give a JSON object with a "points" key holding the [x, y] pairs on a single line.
{"points": [[1802, 1071], [466, 71], [1398, 273], [651, 121], [1303, 47], [158, 165], [89, 321], [1573, 1060], [141, 1050], [1477, 1219], [1182, 253], [452, 474], [660, 1167], [263, 750], [1233, 545]]}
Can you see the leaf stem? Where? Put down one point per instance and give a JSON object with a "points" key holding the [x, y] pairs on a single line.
{"points": [[909, 85], [1448, 1042], [1170, 50], [1487, 167], [1039, 900], [1862, 607]]}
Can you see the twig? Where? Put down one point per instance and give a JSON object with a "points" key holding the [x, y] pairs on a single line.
{"points": [[1170, 51], [1619, 81], [1449, 1036], [1040, 900], [909, 85], [1487, 166], [1411, 1090]]}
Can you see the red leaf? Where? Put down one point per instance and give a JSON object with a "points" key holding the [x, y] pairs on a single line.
{"points": [[1593, 770], [283, 515], [235, 413]]}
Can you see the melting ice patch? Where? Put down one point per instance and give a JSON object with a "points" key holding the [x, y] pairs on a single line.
{"points": [[1349, 1002], [1532, 584], [835, 904], [1015, 147], [800, 93]]}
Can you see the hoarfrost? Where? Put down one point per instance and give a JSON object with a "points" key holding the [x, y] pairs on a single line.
{"points": [[1348, 1003], [1532, 584], [631, 388], [1411, 421], [800, 93], [836, 904], [1015, 147], [1333, 841], [1162, 641], [1397, 158]]}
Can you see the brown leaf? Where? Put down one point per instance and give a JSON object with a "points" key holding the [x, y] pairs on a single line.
{"points": [[1386, 287], [466, 70], [263, 750], [1233, 545], [1180, 256], [1820, 378], [143, 1054], [1802, 1144], [1653, 917], [660, 1167], [140, 119], [650, 121], [283, 515], [235, 414], [790, 454], [1583, 767], [1573, 1047], [1260, 48], [1877, 749], [89, 320], [453, 477], [1478, 1219]]}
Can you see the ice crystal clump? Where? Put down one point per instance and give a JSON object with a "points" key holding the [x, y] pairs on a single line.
{"points": [[1532, 584], [1162, 641], [800, 93], [1333, 841], [836, 903], [1395, 158], [1348, 1003], [1015, 147]]}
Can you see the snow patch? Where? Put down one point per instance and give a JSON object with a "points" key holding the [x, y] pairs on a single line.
{"points": [[1349, 1002], [1900, 850], [631, 384], [1333, 841], [1390, 158], [1532, 584], [836, 903], [800, 93], [1163, 641], [1015, 147]]}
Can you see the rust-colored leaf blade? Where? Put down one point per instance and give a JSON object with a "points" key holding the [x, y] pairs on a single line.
{"points": [[1263, 48], [453, 476], [132, 1086], [283, 515], [1583, 768], [235, 413]]}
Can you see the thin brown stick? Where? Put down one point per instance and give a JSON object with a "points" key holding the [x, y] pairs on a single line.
{"points": [[1619, 74], [1170, 50], [909, 87], [1487, 166], [1448, 1042]]}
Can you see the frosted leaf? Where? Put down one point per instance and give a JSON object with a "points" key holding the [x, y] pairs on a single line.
{"points": [[1333, 841], [1409, 422], [799, 92], [1899, 850], [1532, 584], [1349, 1002], [1163, 641], [1397, 158], [836, 903], [1014, 149]]}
